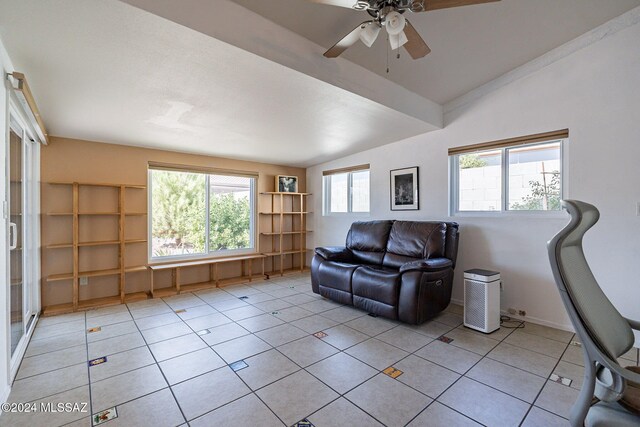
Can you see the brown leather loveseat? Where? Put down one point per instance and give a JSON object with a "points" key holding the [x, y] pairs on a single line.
{"points": [[397, 269]]}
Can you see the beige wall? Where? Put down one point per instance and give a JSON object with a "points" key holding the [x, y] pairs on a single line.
{"points": [[71, 160]]}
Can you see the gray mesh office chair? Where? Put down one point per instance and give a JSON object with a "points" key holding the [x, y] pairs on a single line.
{"points": [[604, 333]]}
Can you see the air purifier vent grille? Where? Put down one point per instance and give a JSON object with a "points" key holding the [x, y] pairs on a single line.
{"points": [[475, 300]]}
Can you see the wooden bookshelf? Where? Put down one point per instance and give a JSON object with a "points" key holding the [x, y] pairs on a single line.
{"points": [[287, 236], [77, 247]]}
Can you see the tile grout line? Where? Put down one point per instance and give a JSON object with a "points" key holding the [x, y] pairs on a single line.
{"points": [[52, 370], [301, 368], [463, 375], [222, 367], [378, 372], [88, 370], [487, 385], [320, 313], [86, 343], [545, 384], [340, 395], [161, 372], [59, 391], [251, 391]]}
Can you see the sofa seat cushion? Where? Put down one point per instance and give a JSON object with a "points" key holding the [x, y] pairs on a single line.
{"points": [[334, 280], [376, 289]]}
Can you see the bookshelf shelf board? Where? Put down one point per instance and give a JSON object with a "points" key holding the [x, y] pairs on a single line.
{"points": [[285, 213], [275, 193], [98, 184], [287, 252], [135, 268], [59, 246], [276, 233], [99, 302]]}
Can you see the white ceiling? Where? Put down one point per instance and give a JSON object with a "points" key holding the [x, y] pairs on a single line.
{"points": [[106, 71], [470, 45], [199, 81]]}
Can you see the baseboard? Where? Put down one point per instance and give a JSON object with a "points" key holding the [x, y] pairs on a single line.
{"points": [[542, 322], [457, 301], [529, 319]]}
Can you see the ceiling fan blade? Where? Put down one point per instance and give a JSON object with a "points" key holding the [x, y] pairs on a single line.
{"points": [[444, 4], [346, 42], [340, 3], [416, 46]]}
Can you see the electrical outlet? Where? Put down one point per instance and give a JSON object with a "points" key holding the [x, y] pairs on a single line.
{"points": [[522, 313], [84, 280], [511, 310]]}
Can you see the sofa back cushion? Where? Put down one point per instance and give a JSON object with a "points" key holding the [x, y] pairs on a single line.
{"points": [[368, 240], [411, 240]]}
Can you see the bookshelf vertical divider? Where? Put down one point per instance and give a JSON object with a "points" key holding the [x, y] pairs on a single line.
{"points": [[283, 206], [120, 272], [76, 251], [121, 246]]}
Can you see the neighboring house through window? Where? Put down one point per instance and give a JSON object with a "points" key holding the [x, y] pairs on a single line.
{"points": [[518, 174]]}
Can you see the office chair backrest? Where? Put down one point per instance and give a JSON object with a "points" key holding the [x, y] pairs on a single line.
{"points": [[605, 327]]}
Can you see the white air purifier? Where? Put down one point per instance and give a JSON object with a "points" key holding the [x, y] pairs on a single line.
{"points": [[482, 300]]}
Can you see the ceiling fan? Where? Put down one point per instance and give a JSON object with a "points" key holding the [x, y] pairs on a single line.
{"points": [[390, 15]]}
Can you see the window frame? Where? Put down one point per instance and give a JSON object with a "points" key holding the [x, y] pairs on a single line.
{"points": [[253, 217], [326, 191], [454, 181]]}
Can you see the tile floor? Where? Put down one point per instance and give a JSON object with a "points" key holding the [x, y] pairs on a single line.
{"points": [[169, 362]]}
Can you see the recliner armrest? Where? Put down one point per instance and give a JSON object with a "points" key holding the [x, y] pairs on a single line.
{"points": [[427, 265], [335, 253]]}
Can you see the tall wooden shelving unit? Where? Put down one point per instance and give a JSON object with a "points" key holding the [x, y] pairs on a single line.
{"points": [[288, 232], [76, 245]]}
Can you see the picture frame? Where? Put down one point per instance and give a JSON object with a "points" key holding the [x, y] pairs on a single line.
{"points": [[404, 189], [286, 184]]}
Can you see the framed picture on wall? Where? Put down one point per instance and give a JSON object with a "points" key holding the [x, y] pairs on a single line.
{"points": [[286, 184], [404, 189]]}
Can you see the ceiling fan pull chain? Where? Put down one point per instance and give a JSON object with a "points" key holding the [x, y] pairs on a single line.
{"points": [[387, 53]]}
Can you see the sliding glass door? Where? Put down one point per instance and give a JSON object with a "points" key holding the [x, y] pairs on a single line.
{"points": [[23, 232], [16, 231]]}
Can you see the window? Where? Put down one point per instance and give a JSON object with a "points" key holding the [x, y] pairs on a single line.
{"points": [[196, 214], [346, 190], [521, 174]]}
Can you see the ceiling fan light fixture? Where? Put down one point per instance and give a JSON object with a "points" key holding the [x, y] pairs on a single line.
{"points": [[369, 34], [394, 23], [397, 40]]}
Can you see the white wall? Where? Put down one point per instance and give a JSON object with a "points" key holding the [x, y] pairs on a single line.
{"points": [[5, 66], [595, 92]]}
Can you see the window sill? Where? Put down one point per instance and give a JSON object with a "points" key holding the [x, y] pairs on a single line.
{"points": [[202, 257], [511, 214], [348, 214]]}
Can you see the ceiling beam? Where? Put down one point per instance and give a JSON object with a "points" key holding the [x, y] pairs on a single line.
{"points": [[240, 27]]}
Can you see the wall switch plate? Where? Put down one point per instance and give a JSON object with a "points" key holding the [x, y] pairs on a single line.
{"points": [[84, 280]]}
